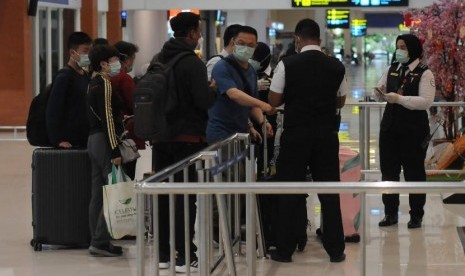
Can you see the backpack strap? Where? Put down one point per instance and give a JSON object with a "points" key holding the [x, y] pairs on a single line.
{"points": [[239, 71], [214, 56]]}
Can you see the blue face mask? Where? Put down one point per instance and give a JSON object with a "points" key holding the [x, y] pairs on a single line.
{"points": [[402, 56], [243, 53], [115, 68]]}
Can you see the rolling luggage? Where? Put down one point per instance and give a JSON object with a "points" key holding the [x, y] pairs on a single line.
{"points": [[349, 165], [61, 191]]}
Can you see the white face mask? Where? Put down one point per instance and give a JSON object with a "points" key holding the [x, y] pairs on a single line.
{"points": [[115, 68], [243, 53], [83, 60], [402, 56], [255, 64]]}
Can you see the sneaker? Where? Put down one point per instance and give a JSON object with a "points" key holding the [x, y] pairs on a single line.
{"points": [[164, 262], [182, 268], [105, 251]]}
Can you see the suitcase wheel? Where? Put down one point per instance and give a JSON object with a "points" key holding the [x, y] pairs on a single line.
{"points": [[37, 245]]}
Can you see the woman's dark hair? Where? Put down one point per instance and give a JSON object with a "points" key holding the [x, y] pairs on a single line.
{"points": [[414, 47], [78, 38], [100, 41], [126, 49], [101, 53]]}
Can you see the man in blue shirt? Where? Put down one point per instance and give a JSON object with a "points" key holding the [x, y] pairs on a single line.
{"points": [[237, 101]]}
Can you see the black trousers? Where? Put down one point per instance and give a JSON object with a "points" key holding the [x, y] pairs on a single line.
{"points": [[164, 155], [319, 151], [401, 148]]}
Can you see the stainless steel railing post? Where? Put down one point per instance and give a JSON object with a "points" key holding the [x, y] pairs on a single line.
{"points": [[156, 234], [187, 240], [172, 214], [140, 248], [251, 220], [204, 258]]}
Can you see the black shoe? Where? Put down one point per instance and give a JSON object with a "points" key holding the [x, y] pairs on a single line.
{"points": [[116, 248], [414, 222], [388, 220], [301, 244], [337, 259], [105, 251], [354, 238], [278, 258]]}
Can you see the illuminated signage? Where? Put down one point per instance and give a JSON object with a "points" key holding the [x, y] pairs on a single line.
{"points": [[348, 3], [358, 27], [337, 19]]}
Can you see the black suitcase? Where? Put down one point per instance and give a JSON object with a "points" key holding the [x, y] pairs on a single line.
{"points": [[61, 190]]}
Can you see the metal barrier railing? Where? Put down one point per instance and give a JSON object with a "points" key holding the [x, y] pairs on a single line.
{"points": [[222, 162], [252, 188], [364, 125], [16, 130], [229, 160]]}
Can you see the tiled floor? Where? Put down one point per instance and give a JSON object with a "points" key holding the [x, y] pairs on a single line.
{"points": [[434, 249]]}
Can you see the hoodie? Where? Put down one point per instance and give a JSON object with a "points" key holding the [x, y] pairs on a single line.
{"points": [[194, 94]]}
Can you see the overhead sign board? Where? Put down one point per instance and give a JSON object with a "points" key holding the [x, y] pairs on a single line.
{"points": [[348, 3], [337, 18], [358, 27]]}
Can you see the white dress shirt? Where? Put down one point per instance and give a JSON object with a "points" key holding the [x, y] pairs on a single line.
{"points": [[279, 78], [211, 63], [426, 89]]}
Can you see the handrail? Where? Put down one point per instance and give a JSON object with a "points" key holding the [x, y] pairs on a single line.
{"points": [[298, 187], [190, 160], [382, 104]]}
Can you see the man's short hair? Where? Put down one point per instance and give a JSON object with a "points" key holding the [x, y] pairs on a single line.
{"points": [[78, 38], [247, 30], [183, 23], [101, 53], [126, 49], [230, 32], [307, 29]]}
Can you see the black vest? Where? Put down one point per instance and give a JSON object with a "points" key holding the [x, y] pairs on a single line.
{"points": [[396, 114], [310, 92]]}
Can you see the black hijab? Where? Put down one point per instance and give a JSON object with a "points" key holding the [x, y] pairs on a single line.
{"points": [[414, 47]]}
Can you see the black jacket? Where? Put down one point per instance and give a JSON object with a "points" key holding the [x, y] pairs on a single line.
{"points": [[195, 96]]}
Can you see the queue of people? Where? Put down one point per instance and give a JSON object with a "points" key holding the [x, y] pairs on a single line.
{"points": [[91, 104]]}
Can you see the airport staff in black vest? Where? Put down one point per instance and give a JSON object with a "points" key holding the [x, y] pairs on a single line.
{"points": [[308, 84], [408, 87]]}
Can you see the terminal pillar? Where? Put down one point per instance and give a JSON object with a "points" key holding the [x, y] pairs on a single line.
{"points": [[16, 69], [114, 31], [89, 17]]}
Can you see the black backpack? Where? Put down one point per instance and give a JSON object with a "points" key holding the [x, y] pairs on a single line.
{"points": [[154, 98], [36, 125]]}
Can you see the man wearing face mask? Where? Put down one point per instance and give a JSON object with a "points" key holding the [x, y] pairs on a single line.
{"points": [[66, 120], [408, 87], [237, 92], [312, 86], [188, 123], [123, 85]]}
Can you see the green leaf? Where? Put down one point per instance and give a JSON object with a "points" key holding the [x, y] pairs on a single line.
{"points": [[126, 201]]}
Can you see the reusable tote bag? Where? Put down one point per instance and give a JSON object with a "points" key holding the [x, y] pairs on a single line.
{"points": [[119, 204]]}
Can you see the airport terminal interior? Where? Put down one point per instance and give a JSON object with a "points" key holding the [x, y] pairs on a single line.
{"points": [[437, 248]]}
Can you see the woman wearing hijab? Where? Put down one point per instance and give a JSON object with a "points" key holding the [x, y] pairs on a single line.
{"points": [[408, 87]]}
